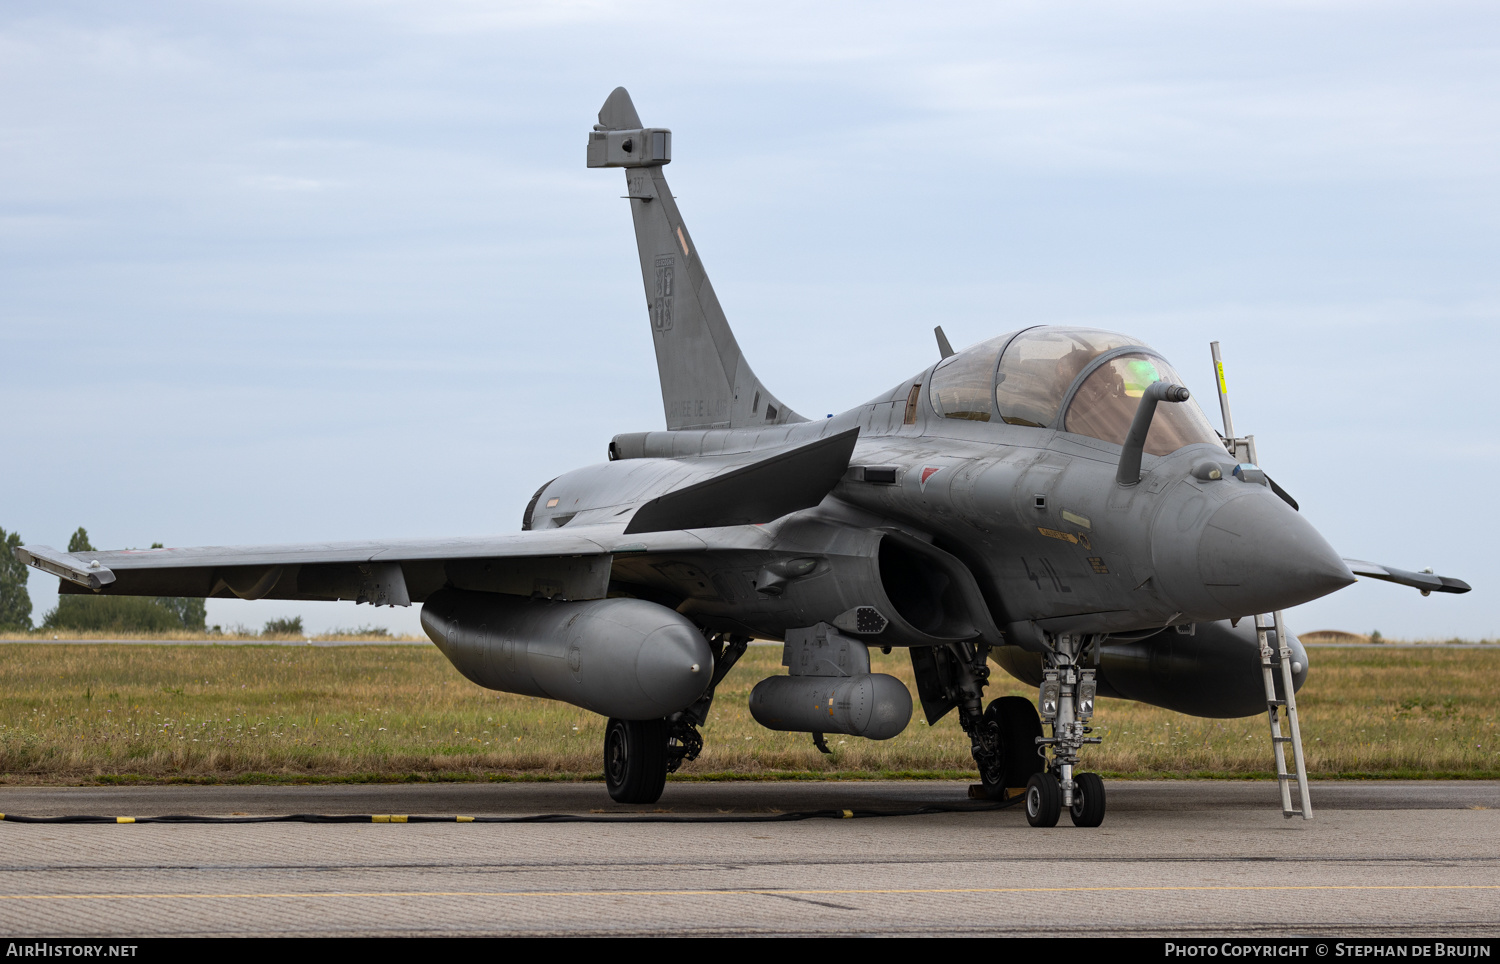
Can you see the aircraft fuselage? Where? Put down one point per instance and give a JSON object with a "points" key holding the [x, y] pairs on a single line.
{"points": [[1053, 542]]}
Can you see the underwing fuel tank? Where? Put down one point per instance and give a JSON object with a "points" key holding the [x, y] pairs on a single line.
{"points": [[830, 689], [624, 658]]}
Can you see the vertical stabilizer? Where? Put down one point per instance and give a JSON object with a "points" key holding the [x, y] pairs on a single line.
{"points": [[705, 380]]}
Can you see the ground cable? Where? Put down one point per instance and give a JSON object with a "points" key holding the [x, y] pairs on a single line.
{"points": [[791, 816]]}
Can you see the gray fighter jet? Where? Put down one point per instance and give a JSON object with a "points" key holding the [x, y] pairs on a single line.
{"points": [[1050, 501]]}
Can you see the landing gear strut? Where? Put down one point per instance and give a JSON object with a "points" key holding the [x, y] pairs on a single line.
{"points": [[956, 675], [638, 754]]}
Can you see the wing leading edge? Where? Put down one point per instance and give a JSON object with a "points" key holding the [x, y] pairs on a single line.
{"points": [[553, 564], [732, 498]]}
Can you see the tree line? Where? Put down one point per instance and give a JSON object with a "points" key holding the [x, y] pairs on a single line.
{"points": [[88, 612]]}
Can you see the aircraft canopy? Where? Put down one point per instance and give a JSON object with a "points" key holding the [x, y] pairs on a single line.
{"points": [[1104, 405], [1026, 378]]}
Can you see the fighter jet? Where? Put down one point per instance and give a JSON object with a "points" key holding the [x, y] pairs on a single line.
{"points": [[1050, 501]]}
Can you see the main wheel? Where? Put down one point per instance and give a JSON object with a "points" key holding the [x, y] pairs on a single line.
{"points": [[1043, 800], [1088, 800], [635, 760], [1019, 728]]}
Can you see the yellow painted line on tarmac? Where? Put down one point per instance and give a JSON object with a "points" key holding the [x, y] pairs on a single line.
{"points": [[767, 892]]}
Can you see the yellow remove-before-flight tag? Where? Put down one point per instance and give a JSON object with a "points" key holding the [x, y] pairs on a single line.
{"points": [[1223, 388]]}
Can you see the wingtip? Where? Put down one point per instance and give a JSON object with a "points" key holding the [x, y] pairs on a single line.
{"points": [[66, 565]]}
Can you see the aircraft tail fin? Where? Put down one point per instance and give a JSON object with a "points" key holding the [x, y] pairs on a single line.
{"points": [[705, 380]]}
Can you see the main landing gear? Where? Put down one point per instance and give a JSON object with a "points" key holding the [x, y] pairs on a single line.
{"points": [[638, 754], [635, 760], [1007, 741]]}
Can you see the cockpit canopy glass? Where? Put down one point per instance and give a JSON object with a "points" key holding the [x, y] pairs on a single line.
{"points": [[1039, 367], [1029, 383], [1106, 402], [960, 386]]}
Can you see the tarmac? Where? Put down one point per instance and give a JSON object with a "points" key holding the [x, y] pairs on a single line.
{"points": [[1174, 859]]}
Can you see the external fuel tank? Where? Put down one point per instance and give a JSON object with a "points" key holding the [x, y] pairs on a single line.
{"points": [[623, 658]]}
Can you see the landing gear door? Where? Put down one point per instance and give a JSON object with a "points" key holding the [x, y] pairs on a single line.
{"points": [[930, 664]]}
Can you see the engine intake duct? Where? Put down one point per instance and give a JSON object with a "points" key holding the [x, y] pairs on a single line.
{"points": [[626, 658], [830, 689]]}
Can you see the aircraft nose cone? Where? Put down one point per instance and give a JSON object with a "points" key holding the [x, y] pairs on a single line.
{"points": [[674, 666], [1256, 555]]}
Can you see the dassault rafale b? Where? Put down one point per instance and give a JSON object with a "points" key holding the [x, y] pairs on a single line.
{"points": [[1049, 501]]}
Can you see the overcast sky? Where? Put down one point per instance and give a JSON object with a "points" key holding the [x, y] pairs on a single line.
{"points": [[333, 270]]}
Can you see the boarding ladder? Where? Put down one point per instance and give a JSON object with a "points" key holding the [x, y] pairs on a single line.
{"points": [[1273, 707], [1282, 654]]}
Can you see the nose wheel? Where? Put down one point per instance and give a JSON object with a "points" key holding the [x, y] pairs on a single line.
{"points": [[1066, 701], [1088, 800], [1043, 800]]}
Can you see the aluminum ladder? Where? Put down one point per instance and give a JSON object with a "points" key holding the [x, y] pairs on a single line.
{"points": [[1274, 704]]}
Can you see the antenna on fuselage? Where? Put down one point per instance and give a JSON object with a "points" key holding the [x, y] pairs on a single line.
{"points": [[944, 349]]}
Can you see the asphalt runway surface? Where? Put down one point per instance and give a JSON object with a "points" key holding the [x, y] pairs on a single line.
{"points": [[1175, 859]]}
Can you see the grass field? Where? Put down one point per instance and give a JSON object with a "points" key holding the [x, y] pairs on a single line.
{"points": [[234, 634], [101, 713]]}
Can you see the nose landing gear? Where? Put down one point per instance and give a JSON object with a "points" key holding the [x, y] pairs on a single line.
{"points": [[1067, 703]]}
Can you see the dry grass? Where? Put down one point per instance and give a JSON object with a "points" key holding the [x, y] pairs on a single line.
{"points": [[85, 713]]}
